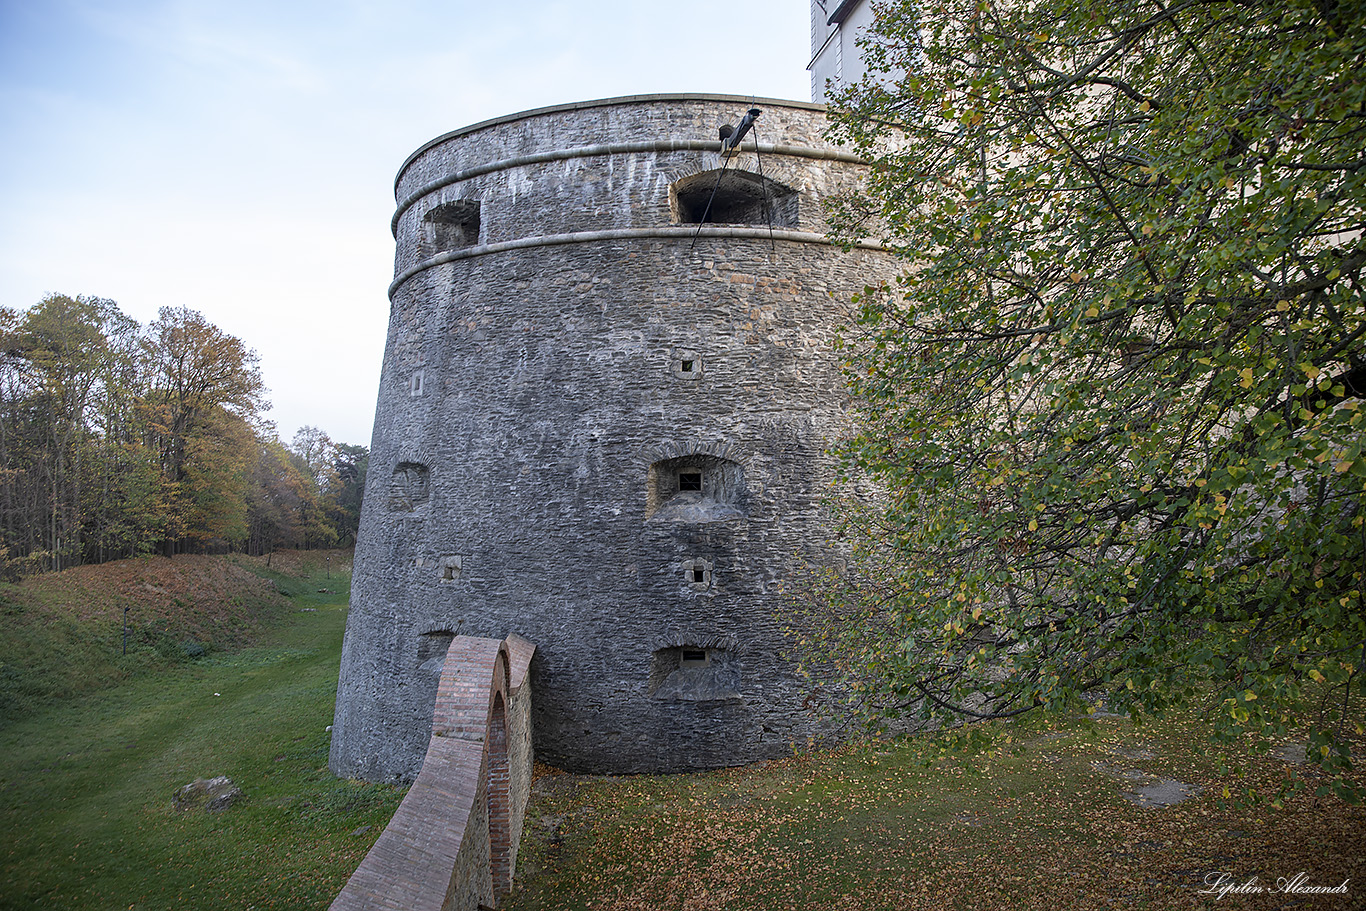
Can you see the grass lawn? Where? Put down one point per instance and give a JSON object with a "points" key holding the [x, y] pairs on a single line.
{"points": [[86, 817], [1039, 823]]}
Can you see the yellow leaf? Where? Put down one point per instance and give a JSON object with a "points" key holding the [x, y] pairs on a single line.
{"points": [[1033, 525]]}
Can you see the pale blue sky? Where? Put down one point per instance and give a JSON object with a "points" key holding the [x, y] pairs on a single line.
{"points": [[238, 157]]}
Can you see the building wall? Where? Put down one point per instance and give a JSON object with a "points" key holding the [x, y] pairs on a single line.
{"points": [[836, 59], [552, 370]]}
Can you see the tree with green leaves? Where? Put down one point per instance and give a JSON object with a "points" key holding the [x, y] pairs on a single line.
{"points": [[204, 392], [1113, 406], [350, 466]]}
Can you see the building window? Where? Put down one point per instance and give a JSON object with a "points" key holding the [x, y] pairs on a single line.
{"points": [[690, 479], [431, 650], [687, 365], [450, 568], [694, 673], [417, 384], [692, 657]]}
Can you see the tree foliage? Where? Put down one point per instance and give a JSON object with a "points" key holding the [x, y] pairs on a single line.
{"points": [[1113, 404], [117, 440]]}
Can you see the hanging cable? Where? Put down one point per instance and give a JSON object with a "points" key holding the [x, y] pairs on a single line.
{"points": [[768, 207], [730, 144]]}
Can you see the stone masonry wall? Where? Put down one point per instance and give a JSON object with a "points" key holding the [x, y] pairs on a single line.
{"points": [[605, 429]]}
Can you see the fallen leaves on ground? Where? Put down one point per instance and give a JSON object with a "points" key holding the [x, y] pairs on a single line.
{"points": [[876, 826]]}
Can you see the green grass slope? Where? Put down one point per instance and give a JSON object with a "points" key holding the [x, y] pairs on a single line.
{"points": [[62, 634], [86, 815]]}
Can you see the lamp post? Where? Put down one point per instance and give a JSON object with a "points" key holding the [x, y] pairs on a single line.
{"points": [[125, 629]]}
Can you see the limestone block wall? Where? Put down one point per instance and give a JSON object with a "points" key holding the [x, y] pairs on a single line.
{"points": [[602, 424], [452, 843]]}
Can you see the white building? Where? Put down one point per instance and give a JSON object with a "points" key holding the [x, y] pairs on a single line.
{"points": [[835, 58]]}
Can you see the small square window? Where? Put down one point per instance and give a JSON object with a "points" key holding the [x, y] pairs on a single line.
{"points": [[687, 365], [698, 574], [693, 657], [450, 568], [690, 480]]}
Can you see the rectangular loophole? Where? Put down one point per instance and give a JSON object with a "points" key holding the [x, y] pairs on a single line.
{"points": [[690, 480]]}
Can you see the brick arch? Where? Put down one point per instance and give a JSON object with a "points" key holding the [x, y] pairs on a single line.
{"points": [[500, 816], [452, 843]]}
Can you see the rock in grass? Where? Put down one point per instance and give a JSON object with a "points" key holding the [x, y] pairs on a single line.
{"points": [[213, 795]]}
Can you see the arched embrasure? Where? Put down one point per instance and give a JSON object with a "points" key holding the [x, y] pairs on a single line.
{"points": [[451, 226], [695, 488], [736, 198]]}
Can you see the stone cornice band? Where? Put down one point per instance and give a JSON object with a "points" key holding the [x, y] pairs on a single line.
{"points": [[670, 232], [617, 148]]}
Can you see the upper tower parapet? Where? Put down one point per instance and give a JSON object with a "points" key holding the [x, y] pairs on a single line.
{"points": [[611, 165]]}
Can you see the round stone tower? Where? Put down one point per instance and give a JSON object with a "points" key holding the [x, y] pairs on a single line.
{"points": [[607, 390]]}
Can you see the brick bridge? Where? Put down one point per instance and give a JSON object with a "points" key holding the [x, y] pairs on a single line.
{"points": [[452, 843]]}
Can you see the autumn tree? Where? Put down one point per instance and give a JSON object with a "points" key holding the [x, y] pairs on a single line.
{"points": [[274, 501], [315, 454], [205, 388], [60, 368], [116, 441], [1113, 405], [121, 505]]}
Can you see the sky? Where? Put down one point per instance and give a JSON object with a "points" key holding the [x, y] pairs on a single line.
{"points": [[238, 158]]}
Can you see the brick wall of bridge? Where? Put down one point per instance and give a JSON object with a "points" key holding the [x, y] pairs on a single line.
{"points": [[452, 843]]}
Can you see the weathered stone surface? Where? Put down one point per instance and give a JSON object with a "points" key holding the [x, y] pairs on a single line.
{"points": [[561, 354], [1144, 789], [212, 795]]}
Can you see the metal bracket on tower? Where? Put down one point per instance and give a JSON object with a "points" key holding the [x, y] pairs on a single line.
{"points": [[731, 136]]}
